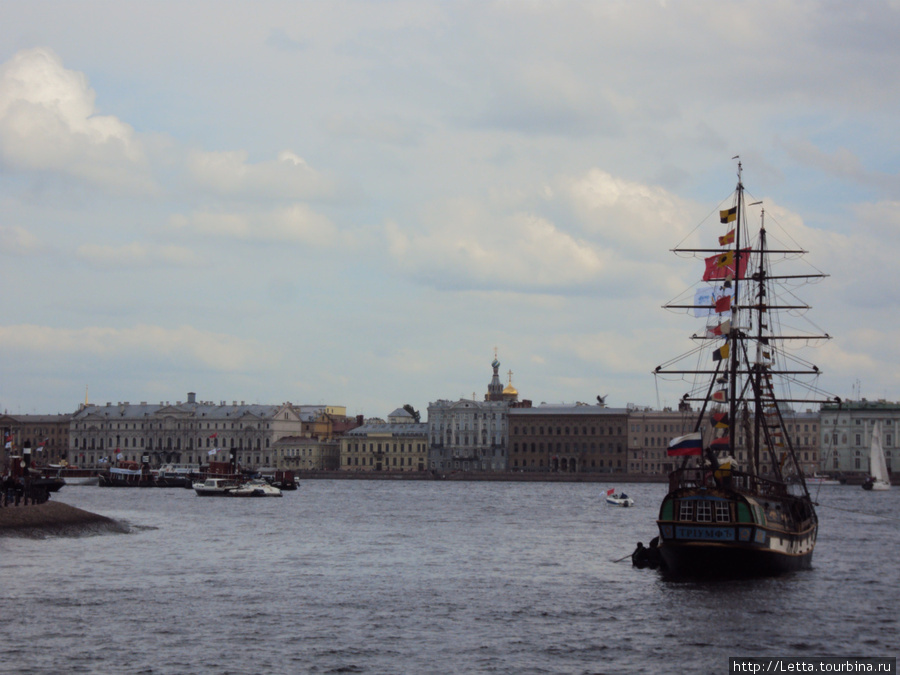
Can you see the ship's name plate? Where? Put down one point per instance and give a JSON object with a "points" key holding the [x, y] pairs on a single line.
{"points": [[705, 533]]}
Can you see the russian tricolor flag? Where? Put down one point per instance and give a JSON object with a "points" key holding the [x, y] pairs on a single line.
{"points": [[691, 444]]}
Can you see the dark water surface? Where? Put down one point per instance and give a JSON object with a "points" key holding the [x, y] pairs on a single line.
{"points": [[425, 577]]}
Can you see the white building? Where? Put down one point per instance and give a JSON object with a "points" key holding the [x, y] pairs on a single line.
{"points": [[846, 434], [191, 433]]}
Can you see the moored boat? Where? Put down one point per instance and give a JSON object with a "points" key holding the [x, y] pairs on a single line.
{"points": [[738, 504], [256, 488], [816, 479], [72, 475], [215, 487]]}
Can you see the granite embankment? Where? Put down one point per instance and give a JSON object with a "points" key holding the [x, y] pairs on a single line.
{"points": [[53, 518]]}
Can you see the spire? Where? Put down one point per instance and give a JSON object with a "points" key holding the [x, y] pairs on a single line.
{"points": [[495, 388]]}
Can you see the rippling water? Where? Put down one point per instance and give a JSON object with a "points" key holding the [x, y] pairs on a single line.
{"points": [[425, 577]]}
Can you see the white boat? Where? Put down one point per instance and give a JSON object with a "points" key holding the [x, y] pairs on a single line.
{"points": [[816, 479], [216, 487], [618, 498], [256, 488], [72, 475], [879, 479]]}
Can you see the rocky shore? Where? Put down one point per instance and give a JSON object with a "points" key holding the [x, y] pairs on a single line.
{"points": [[53, 518]]}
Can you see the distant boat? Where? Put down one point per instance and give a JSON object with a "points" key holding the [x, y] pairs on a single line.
{"points": [[880, 479], [618, 498], [816, 479], [256, 488], [216, 487]]}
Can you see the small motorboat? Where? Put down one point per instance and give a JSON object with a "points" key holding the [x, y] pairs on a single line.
{"points": [[618, 498], [256, 488], [215, 487]]}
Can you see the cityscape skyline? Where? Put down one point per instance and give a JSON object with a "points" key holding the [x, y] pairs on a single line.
{"points": [[357, 203]]}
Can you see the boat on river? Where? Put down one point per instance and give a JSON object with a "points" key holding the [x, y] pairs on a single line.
{"points": [[230, 487], [816, 479], [618, 498], [71, 475], [216, 487], [879, 478], [738, 503], [256, 488]]}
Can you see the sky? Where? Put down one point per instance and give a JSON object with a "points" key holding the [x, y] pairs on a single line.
{"points": [[357, 203]]}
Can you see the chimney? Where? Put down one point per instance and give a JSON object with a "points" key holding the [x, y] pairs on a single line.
{"points": [[192, 397]]}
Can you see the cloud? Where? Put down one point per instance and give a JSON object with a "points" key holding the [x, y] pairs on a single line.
{"points": [[467, 246], [48, 123], [592, 233], [17, 241], [229, 174], [279, 39], [185, 346], [136, 254], [292, 224], [629, 214], [390, 129]]}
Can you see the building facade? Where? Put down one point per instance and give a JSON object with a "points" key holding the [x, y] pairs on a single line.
{"points": [[649, 434], [190, 433], [845, 435], [582, 437], [401, 444], [46, 437], [306, 453]]}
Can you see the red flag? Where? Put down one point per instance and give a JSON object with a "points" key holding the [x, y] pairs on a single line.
{"points": [[723, 304], [610, 491], [720, 419], [214, 435], [722, 265], [723, 328]]}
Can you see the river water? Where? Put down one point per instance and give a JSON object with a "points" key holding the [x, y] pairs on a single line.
{"points": [[425, 577]]}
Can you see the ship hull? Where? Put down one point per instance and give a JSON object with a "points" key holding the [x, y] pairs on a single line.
{"points": [[705, 560], [716, 531]]}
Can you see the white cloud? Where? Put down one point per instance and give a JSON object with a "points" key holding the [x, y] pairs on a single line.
{"points": [[643, 219], [48, 122], [186, 346], [136, 254], [229, 174], [17, 241], [464, 245], [297, 223]]}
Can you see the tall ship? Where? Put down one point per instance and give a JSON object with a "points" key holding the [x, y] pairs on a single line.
{"points": [[738, 503]]}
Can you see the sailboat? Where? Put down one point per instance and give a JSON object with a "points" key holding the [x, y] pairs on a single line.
{"points": [[879, 478], [738, 503]]}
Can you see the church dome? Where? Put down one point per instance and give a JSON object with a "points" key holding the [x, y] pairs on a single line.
{"points": [[510, 390]]}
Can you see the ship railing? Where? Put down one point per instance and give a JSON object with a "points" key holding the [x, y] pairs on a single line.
{"points": [[741, 481]]}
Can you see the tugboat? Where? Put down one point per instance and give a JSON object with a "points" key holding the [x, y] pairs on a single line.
{"points": [[738, 503]]}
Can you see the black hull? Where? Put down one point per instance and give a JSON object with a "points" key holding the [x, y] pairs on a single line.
{"points": [[712, 561]]}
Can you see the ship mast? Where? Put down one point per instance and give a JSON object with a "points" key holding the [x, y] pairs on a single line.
{"points": [[736, 335]]}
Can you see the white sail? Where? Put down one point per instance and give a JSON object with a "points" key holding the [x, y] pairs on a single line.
{"points": [[877, 464]]}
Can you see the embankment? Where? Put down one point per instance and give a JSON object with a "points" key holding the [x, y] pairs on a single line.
{"points": [[53, 518]]}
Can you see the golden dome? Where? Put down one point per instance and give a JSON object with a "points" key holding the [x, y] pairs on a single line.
{"points": [[510, 390]]}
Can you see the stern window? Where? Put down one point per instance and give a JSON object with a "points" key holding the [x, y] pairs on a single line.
{"points": [[723, 513], [686, 510], [704, 511]]}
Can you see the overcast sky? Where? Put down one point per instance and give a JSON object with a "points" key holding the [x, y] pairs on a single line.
{"points": [[355, 203]]}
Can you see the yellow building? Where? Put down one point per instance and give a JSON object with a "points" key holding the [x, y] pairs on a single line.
{"points": [[398, 445]]}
